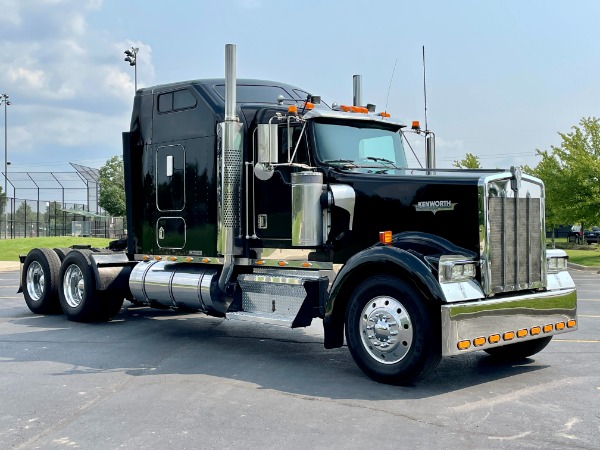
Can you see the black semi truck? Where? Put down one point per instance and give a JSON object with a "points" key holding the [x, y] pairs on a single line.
{"points": [[253, 200]]}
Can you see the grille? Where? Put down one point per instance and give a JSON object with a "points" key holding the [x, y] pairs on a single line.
{"points": [[516, 243]]}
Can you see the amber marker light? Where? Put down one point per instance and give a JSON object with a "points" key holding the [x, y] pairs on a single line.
{"points": [[282, 263], [306, 264], [145, 257], [547, 328], [521, 333], [172, 258], [494, 339], [416, 125], [571, 323], [508, 336], [560, 326], [463, 345], [309, 105], [535, 330], [158, 258], [385, 114], [385, 237], [205, 260], [260, 262], [292, 109], [189, 259], [478, 342]]}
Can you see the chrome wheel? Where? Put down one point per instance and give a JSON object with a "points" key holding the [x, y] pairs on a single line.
{"points": [[73, 286], [386, 330], [35, 281]]}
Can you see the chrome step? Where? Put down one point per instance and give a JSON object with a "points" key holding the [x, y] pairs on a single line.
{"points": [[261, 317]]}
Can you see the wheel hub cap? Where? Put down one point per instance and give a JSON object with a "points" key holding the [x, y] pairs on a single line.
{"points": [[386, 330], [73, 286], [35, 281]]}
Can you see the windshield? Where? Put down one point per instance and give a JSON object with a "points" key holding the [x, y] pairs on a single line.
{"points": [[360, 143]]}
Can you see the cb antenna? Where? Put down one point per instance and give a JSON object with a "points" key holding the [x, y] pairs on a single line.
{"points": [[425, 90], [390, 86]]}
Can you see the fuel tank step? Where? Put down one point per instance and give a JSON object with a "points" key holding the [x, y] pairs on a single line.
{"points": [[284, 297], [261, 317]]}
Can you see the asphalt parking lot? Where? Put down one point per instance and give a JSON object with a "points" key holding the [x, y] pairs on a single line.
{"points": [[161, 379]]}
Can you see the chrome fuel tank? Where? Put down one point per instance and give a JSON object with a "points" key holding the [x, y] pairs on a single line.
{"points": [[179, 285]]}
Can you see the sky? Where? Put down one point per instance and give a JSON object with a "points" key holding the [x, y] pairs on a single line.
{"points": [[503, 77]]}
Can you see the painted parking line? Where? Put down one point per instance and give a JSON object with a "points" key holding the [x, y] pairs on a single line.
{"points": [[588, 315], [592, 341]]}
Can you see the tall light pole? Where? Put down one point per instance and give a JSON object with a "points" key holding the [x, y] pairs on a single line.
{"points": [[4, 99], [131, 58]]}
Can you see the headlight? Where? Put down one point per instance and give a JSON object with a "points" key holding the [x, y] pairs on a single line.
{"points": [[556, 260], [456, 268]]}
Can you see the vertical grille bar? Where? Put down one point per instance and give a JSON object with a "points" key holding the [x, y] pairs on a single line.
{"points": [[515, 243]]}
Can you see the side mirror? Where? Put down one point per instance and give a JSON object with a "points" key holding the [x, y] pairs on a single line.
{"points": [[267, 143]]}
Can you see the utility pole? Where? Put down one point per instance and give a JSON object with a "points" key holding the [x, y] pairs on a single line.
{"points": [[4, 99]]}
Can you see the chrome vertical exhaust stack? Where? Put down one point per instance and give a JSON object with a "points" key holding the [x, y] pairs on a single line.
{"points": [[357, 90], [230, 173]]}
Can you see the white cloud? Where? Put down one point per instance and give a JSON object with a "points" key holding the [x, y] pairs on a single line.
{"points": [[69, 86]]}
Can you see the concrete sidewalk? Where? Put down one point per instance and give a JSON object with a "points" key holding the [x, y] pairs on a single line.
{"points": [[9, 266]]}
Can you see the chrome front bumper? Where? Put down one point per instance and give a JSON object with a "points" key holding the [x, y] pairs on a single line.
{"points": [[485, 321]]}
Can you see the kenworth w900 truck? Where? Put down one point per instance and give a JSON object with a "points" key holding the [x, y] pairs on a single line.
{"points": [[253, 200]]}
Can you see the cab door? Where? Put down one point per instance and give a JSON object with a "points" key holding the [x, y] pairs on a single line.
{"points": [[170, 196]]}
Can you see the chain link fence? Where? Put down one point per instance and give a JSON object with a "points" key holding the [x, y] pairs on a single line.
{"points": [[33, 218]]}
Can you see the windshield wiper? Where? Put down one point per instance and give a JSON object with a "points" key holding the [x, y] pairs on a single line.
{"points": [[344, 162], [385, 160]]}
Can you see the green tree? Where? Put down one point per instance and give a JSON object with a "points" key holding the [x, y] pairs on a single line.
{"points": [[571, 174], [3, 201], [470, 161], [112, 187]]}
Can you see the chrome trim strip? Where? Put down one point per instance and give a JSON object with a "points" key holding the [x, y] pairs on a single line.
{"points": [[466, 321]]}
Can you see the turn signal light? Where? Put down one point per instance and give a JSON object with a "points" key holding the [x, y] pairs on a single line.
{"points": [[463, 345], [547, 328], [571, 323], [560, 326], [535, 330], [478, 342], [508, 336], [494, 338], [385, 237], [522, 333]]}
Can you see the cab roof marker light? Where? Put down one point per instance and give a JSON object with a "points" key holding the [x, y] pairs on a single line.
{"points": [[560, 326], [547, 328], [535, 330], [385, 114], [522, 333], [571, 323]]}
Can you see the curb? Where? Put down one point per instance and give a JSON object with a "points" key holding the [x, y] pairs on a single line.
{"points": [[571, 265]]}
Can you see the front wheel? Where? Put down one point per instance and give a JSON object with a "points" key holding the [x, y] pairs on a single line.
{"points": [[392, 335], [519, 350]]}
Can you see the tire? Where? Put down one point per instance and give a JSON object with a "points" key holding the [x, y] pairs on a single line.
{"points": [[39, 280], [79, 299], [405, 344], [519, 350], [61, 252]]}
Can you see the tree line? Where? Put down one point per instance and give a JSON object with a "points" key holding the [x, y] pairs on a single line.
{"points": [[571, 175]]}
